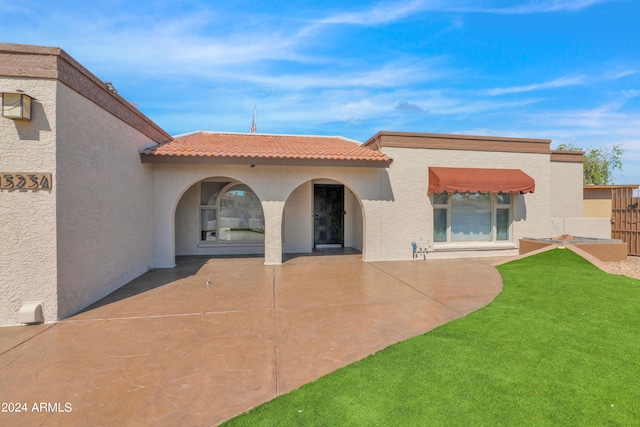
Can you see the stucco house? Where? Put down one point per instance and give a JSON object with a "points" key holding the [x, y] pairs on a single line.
{"points": [[94, 194]]}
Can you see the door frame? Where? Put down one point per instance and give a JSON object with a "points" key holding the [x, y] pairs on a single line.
{"points": [[317, 245]]}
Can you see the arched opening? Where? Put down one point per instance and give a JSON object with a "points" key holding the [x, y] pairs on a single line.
{"points": [[322, 214], [218, 216]]}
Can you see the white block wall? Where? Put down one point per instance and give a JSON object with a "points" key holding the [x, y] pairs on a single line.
{"points": [[103, 201], [28, 245]]}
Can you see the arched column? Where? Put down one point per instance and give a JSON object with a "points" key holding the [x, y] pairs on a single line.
{"points": [[273, 211], [163, 227]]}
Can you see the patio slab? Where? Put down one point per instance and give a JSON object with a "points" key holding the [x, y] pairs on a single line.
{"points": [[211, 338]]}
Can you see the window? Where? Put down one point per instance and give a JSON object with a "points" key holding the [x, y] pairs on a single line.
{"points": [[503, 216], [209, 210], [471, 217], [241, 216], [208, 220], [230, 213], [440, 215]]}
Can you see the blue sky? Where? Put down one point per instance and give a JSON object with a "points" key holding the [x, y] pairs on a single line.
{"points": [[566, 70]]}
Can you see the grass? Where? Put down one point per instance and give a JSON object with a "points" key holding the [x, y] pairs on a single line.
{"points": [[560, 345]]}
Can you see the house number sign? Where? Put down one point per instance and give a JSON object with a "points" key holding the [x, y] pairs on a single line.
{"points": [[25, 181]]}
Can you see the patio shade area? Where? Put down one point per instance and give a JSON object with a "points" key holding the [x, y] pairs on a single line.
{"points": [[479, 180]]}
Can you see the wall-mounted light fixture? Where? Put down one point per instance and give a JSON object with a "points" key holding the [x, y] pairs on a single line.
{"points": [[16, 105]]}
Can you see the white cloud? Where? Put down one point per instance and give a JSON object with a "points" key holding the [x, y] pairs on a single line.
{"points": [[551, 6], [601, 126], [535, 7], [395, 74], [557, 83], [564, 5], [385, 13], [303, 80], [174, 51], [621, 74], [380, 14], [152, 42]]}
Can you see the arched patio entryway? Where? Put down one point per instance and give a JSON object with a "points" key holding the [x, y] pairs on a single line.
{"points": [[322, 214], [219, 216], [272, 166]]}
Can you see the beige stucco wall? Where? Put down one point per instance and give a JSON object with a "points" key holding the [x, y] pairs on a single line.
{"points": [[566, 190], [91, 233], [188, 221], [355, 215], [409, 216], [582, 227], [28, 245], [570, 213], [103, 200], [298, 220], [352, 221], [391, 207]]}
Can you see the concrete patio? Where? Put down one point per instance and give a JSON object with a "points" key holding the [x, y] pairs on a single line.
{"points": [[211, 338]]}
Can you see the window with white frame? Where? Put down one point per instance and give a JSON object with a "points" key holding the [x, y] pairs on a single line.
{"points": [[230, 213], [471, 217], [209, 210], [503, 216]]}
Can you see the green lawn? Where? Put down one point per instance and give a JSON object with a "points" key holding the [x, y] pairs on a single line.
{"points": [[560, 345]]}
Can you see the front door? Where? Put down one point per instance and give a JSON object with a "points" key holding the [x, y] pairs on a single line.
{"points": [[328, 212]]}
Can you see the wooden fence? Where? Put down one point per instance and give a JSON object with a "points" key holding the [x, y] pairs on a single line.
{"points": [[625, 215]]}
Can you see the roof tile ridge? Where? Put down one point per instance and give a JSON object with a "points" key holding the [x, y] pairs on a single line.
{"points": [[184, 135], [292, 135]]}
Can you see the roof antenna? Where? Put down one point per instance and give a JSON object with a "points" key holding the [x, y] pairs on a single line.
{"points": [[253, 124]]}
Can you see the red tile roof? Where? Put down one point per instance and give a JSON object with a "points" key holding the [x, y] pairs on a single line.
{"points": [[261, 149]]}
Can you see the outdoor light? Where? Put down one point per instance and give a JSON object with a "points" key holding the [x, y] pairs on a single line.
{"points": [[16, 105]]}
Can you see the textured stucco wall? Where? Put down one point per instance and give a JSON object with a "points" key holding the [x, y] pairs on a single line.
{"points": [[104, 202], [583, 227], [273, 185], [348, 218], [298, 220], [395, 208], [188, 222], [356, 222], [409, 217], [566, 190], [28, 218]]}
